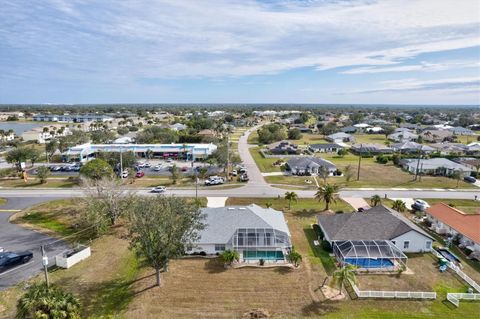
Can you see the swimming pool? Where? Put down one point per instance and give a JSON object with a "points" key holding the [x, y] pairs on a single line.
{"points": [[448, 255], [266, 255], [369, 262]]}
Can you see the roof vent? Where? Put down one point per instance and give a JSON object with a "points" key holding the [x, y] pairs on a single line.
{"points": [[231, 208], [241, 208]]}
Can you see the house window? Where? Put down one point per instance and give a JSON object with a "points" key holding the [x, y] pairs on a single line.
{"points": [[219, 247], [428, 244], [406, 244]]}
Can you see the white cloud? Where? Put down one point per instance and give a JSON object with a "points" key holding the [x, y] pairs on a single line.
{"points": [[422, 66], [195, 39]]}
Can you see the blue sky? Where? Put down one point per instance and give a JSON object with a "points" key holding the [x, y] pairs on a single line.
{"points": [[240, 51]]}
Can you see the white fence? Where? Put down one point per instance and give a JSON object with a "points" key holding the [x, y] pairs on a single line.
{"points": [[394, 294], [71, 257], [456, 297]]}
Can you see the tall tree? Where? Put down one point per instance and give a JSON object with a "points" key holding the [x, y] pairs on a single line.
{"points": [[96, 169], [163, 228], [41, 301], [343, 275], [328, 194], [291, 197], [323, 173], [106, 200]]}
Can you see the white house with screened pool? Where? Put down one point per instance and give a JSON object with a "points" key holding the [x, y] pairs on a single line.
{"points": [[375, 239], [254, 232]]}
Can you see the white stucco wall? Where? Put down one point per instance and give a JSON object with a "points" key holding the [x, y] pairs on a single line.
{"points": [[418, 242]]}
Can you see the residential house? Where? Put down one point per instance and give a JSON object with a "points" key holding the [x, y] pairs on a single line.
{"points": [[412, 148], [450, 148], [178, 127], [430, 135], [458, 130], [434, 166], [378, 223], [254, 232], [309, 165], [206, 133], [450, 221], [325, 148], [470, 162], [371, 149], [283, 147], [43, 134], [340, 137], [349, 129], [403, 136], [473, 148]]}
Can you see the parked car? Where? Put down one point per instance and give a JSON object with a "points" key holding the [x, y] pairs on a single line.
{"points": [[214, 180], [420, 205], [234, 172], [244, 178], [469, 179], [9, 260], [159, 189], [147, 165], [157, 168], [184, 169], [243, 170], [125, 174], [140, 174]]}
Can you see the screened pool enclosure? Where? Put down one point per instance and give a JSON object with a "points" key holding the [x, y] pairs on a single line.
{"points": [[369, 254], [261, 243]]}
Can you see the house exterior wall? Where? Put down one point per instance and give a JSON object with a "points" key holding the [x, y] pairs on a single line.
{"points": [[417, 242]]}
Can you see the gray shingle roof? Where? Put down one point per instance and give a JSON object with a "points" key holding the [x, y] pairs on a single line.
{"points": [[303, 162], [377, 223], [325, 145], [221, 222]]}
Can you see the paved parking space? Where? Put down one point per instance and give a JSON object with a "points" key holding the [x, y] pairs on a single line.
{"points": [[14, 238]]}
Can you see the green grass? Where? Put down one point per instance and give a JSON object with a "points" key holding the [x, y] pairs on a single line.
{"points": [[264, 164], [253, 138], [319, 253], [3, 201]]}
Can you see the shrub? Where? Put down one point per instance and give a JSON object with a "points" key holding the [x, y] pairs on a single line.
{"points": [[326, 246], [381, 159], [262, 262], [318, 231]]}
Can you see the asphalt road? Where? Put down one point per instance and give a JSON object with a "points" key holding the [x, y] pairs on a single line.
{"points": [[13, 238]]}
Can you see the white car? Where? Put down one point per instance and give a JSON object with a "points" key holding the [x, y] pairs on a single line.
{"points": [[420, 205], [125, 174], [159, 189], [157, 168]]}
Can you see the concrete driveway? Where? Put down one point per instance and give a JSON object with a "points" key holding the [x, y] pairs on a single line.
{"points": [[14, 237]]}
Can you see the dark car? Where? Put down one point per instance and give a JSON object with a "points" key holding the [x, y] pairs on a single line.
{"points": [[469, 179], [11, 259]]}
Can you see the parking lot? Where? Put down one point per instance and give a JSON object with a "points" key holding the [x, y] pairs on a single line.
{"points": [[16, 238], [151, 168]]}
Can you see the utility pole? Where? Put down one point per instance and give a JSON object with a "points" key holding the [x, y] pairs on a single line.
{"points": [[418, 163], [46, 153], [359, 162], [196, 179], [45, 265], [121, 163], [228, 155]]}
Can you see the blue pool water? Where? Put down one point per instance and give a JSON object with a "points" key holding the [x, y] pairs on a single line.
{"points": [[266, 255], [369, 262], [448, 255]]}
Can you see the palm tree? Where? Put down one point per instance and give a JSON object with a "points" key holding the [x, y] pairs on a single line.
{"points": [[328, 194], [344, 274], [291, 196], [43, 302], [375, 200], [268, 204], [294, 257], [399, 205], [229, 256]]}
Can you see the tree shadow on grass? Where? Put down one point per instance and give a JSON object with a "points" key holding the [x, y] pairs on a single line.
{"points": [[214, 266], [318, 308]]}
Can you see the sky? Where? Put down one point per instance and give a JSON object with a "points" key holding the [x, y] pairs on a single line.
{"points": [[240, 51]]}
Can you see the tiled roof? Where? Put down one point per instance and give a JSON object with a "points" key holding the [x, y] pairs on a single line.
{"points": [[466, 224]]}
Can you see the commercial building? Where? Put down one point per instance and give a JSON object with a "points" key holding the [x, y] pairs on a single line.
{"points": [[87, 151], [72, 118]]}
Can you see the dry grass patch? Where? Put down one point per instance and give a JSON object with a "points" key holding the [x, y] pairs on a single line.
{"points": [[202, 288]]}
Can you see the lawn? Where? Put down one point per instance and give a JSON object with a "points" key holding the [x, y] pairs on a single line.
{"points": [[264, 164], [33, 182], [3, 201]]}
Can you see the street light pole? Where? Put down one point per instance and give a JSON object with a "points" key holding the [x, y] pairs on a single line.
{"points": [[359, 162], [121, 163]]}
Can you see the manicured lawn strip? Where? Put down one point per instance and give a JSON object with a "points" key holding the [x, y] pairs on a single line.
{"points": [[327, 261], [292, 180], [253, 138], [264, 164], [33, 182], [3, 201]]}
